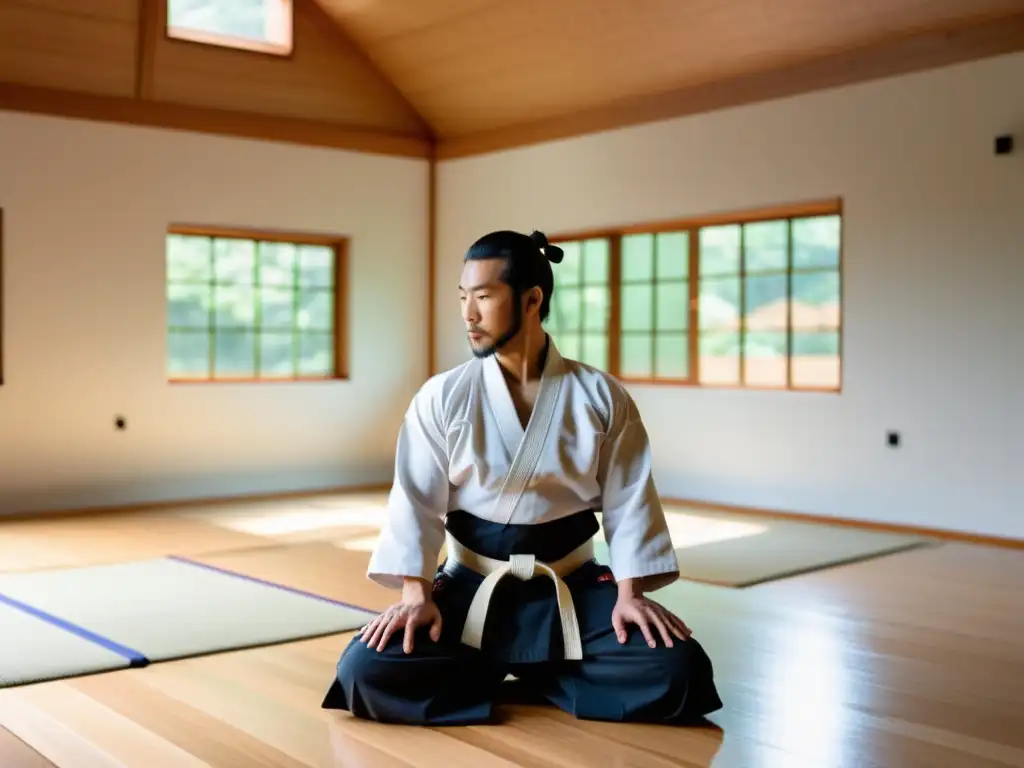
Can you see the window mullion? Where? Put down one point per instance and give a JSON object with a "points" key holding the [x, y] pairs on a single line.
{"points": [[694, 317], [615, 305]]}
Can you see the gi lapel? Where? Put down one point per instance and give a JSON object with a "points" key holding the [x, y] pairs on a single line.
{"points": [[538, 430], [504, 409]]}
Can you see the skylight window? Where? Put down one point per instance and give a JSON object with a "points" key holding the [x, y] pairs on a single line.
{"points": [[255, 25]]}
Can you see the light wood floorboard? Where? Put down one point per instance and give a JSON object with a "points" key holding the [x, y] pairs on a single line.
{"points": [[82, 540], [910, 660]]}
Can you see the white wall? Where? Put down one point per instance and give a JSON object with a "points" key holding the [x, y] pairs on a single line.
{"points": [[86, 207], [934, 288]]}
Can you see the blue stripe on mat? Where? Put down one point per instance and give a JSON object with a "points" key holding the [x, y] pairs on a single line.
{"points": [[265, 583], [135, 658]]}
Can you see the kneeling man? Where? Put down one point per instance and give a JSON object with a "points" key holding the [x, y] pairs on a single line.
{"points": [[506, 459]]}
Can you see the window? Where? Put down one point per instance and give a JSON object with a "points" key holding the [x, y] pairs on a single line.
{"points": [[579, 319], [254, 307], [751, 301], [257, 25]]}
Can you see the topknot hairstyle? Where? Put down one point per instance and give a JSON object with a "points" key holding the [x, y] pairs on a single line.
{"points": [[528, 260]]}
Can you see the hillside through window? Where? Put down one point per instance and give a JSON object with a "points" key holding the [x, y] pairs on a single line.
{"points": [[257, 25]]}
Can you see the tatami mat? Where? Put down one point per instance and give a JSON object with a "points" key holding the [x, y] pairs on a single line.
{"points": [[36, 647], [161, 609], [738, 551]]}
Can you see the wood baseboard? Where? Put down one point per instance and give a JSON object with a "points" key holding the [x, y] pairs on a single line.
{"points": [[216, 501], [800, 517], [868, 525]]}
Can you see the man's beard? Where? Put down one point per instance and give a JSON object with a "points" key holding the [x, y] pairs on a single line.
{"points": [[505, 338]]}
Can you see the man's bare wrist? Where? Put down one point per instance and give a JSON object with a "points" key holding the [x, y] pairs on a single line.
{"points": [[415, 590], [631, 588]]}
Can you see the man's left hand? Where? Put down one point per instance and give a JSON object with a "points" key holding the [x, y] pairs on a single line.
{"points": [[645, 613]]}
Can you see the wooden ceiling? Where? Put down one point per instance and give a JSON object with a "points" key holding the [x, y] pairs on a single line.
{"points": [[476, 75]]}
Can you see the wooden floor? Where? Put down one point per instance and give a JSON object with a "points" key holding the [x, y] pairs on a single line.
{"points": [[911, 660]]}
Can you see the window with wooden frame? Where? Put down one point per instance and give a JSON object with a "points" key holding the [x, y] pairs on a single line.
{"points": [[265, 26], [750, 300], [249, 306]]}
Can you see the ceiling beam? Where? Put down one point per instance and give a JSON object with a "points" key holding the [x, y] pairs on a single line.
{"points": [[155, 114]]}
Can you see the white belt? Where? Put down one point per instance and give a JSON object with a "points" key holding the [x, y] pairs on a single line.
{"points": [[523, 567]]}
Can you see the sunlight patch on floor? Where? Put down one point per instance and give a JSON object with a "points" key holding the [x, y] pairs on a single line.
{"points": [[690, 530], [362, 544], [294, 520], [369, 511], [808, 686], [351, 500], [687, 531]]}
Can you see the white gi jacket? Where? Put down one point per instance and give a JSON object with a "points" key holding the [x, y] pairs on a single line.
{"points": [[462, 446]]}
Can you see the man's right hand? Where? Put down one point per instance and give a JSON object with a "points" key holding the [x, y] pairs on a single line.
{"points": [[415, 609]]}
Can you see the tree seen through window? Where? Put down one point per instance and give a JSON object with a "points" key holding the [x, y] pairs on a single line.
{"points": [[250, 309], [750, 303]]}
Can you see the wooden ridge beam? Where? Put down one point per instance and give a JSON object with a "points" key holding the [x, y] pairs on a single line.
{"points": [[249, 125]]}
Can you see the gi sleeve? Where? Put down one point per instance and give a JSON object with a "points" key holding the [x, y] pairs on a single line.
{"points": [[413, 532], [635, 527]]}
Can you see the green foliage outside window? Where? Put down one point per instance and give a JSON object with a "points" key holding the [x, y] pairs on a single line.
{"points": [[250, 309], [766, 296]]}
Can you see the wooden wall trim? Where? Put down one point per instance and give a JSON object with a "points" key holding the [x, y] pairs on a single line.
{"points": [[154, 114], [145, 55], [3, 299], [903, 55], [819, 207], [432, 265], [257, 233]]}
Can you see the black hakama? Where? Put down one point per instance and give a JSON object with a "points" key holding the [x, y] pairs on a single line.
{"points": [[449, 683]]}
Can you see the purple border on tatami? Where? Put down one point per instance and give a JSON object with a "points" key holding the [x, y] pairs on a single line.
{"points": [[135, 658], [264, 582]]}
